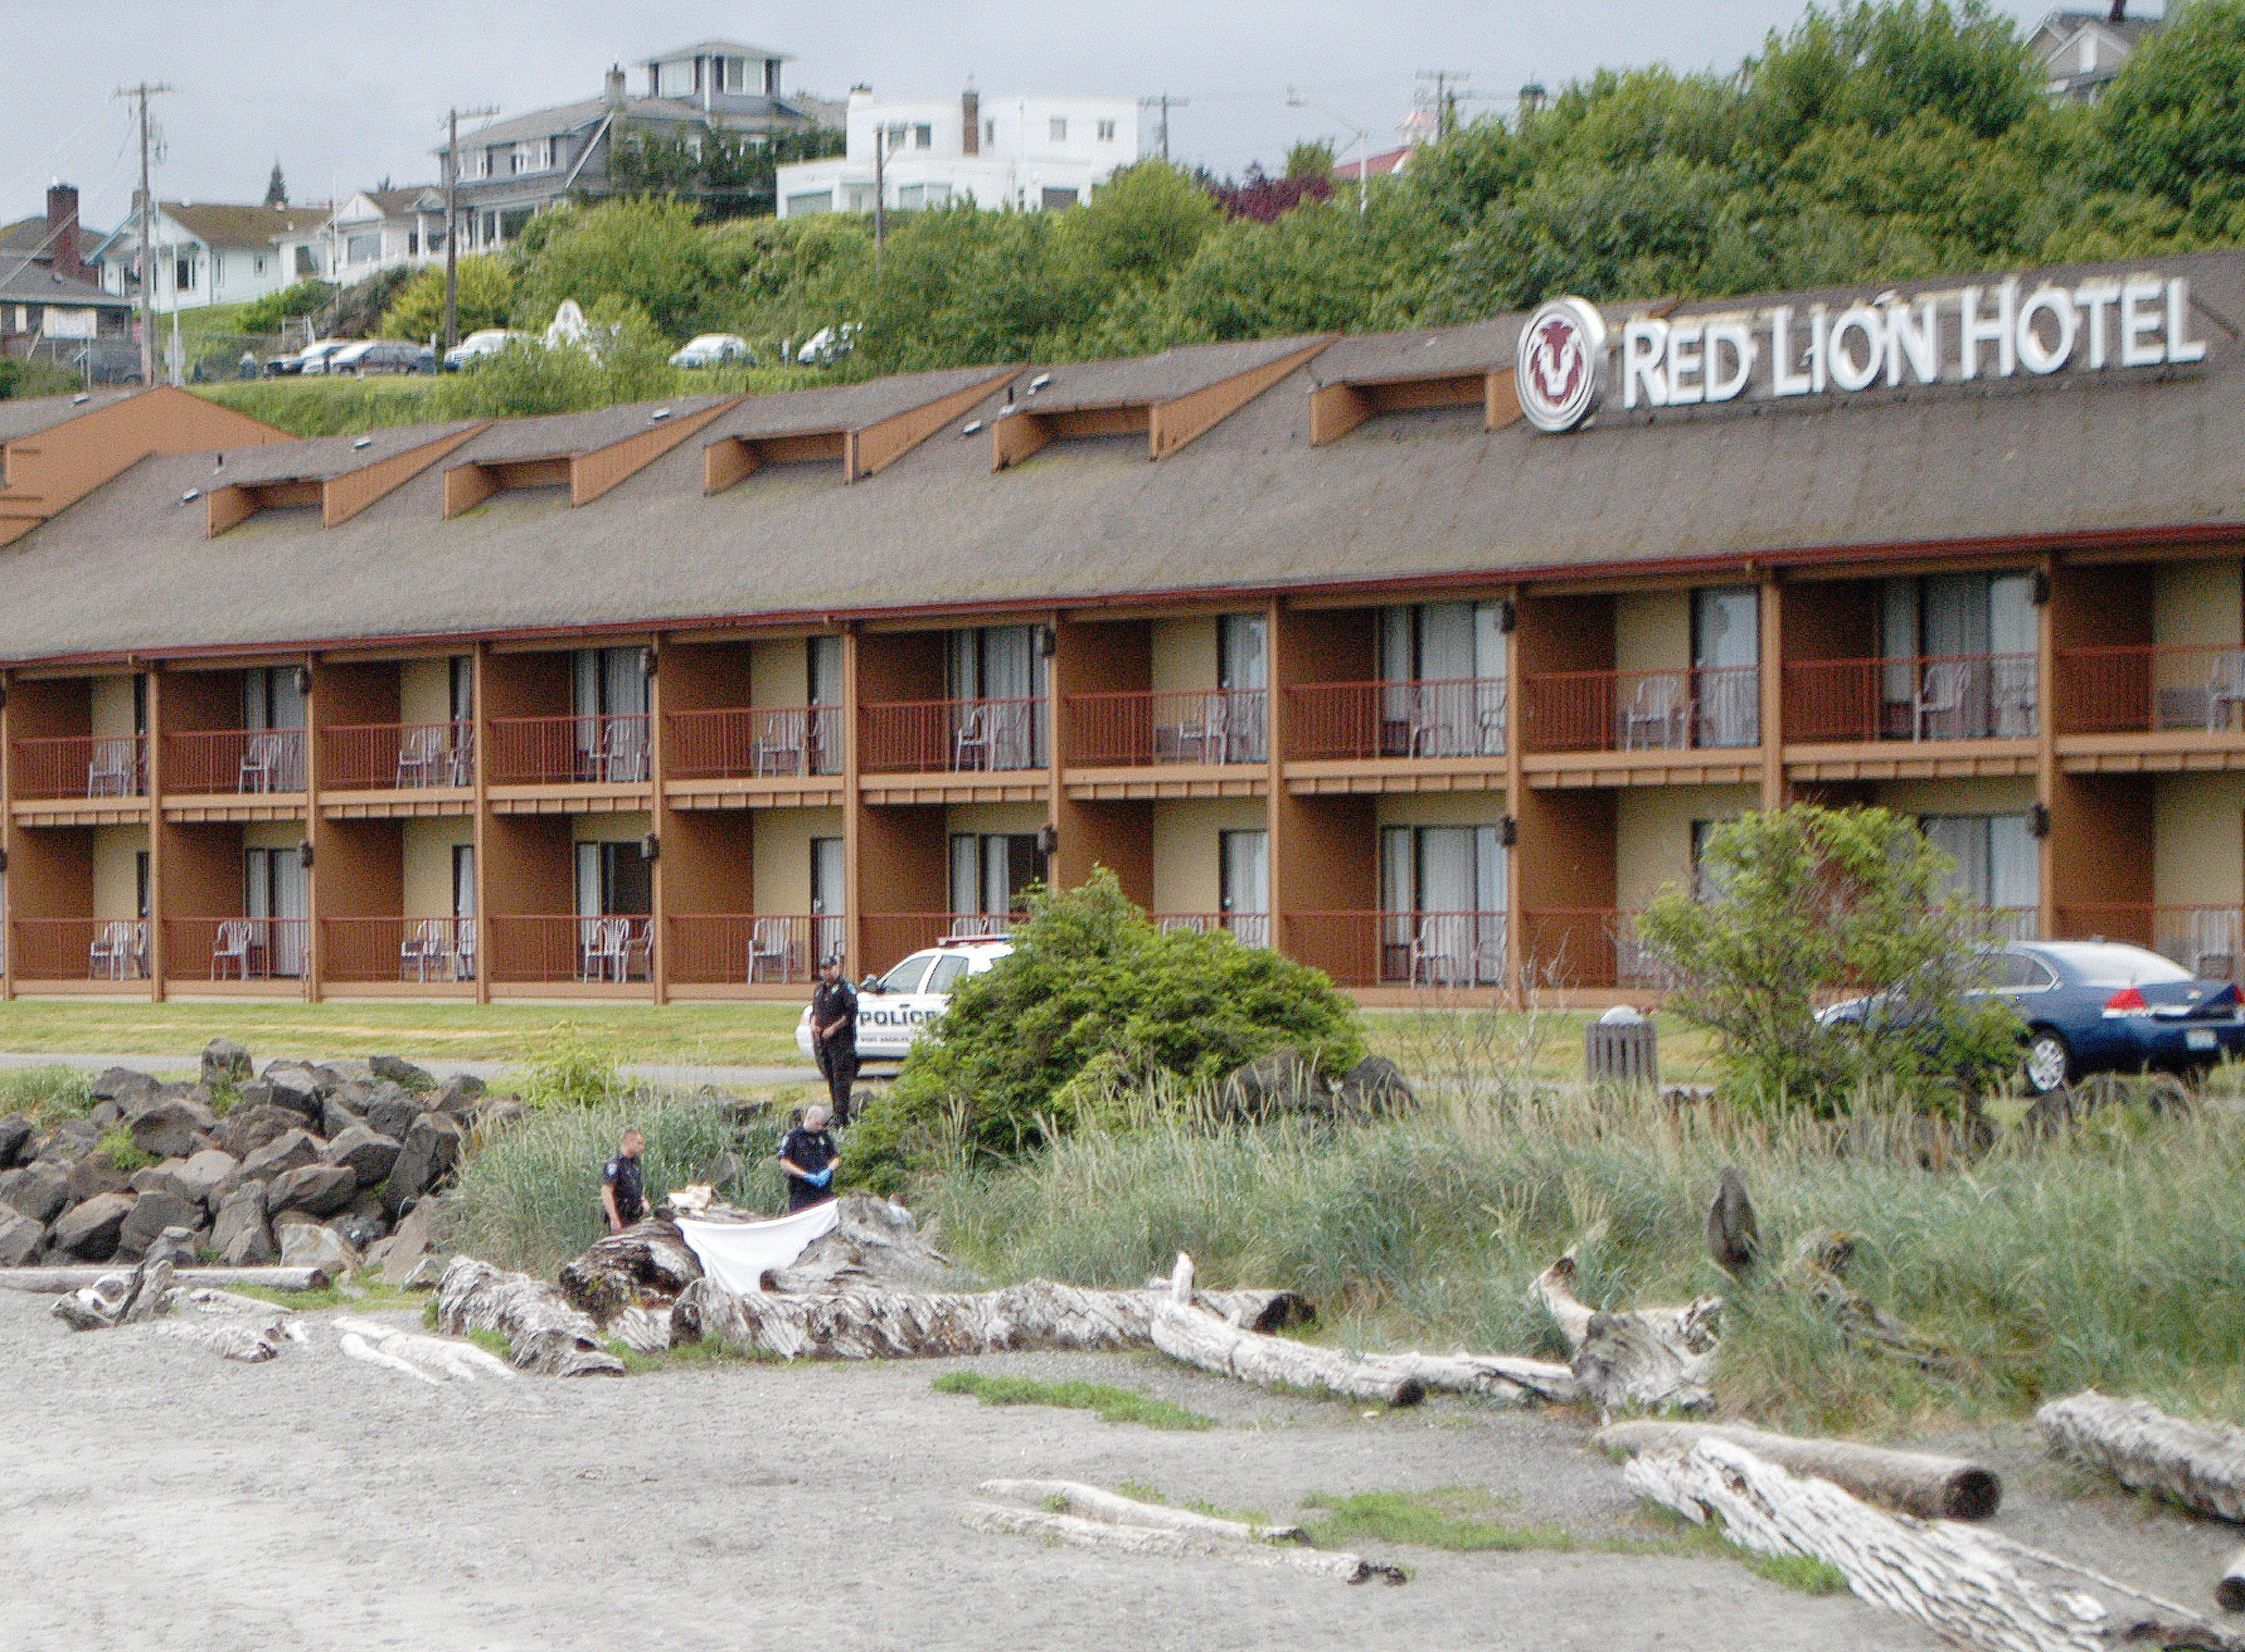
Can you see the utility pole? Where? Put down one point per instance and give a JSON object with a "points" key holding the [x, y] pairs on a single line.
{"points": [[1449, 85], [1165, 103], [141, 94], [451, 227], [880, 193]]}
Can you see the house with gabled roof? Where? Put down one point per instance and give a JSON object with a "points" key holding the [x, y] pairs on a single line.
{"points": [[211, 253], [379, 229], [2079, 52]]}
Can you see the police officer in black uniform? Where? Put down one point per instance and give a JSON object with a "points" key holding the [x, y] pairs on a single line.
{"points": [[623, 1194], [834, 1035], [807, 1155]]}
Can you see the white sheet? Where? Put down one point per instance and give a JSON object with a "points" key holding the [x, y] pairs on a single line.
{"points": [[737, 1254]]}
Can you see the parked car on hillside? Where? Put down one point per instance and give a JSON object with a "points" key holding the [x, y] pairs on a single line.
{"points": [[488, 341], [2097, 1006], [320, 358], [714, 350], [895, 1010], [303, 360], [828, 345], [383, 355]]}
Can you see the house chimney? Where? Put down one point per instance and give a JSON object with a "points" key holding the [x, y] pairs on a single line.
{"points": [[614, 96], [62, 231], [2119, 10], [970, 120]]}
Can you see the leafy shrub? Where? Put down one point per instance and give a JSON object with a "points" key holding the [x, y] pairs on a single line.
{"points": [[1091, 992], [265, 315], [573, 1070], [116, 1146], [1803, 904]]}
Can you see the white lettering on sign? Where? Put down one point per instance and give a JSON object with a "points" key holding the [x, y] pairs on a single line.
{"points": [[1997, 332]]}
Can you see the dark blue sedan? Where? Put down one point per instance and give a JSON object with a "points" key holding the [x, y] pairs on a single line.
{"points": [[2105, 1006]]}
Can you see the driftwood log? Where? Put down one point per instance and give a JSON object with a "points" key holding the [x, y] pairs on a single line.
{"points": [[1091, 1502], [1646, 1356], [648, 1263], [2201, 1469], [1906, 1482], [1185, 1331], [55, 1282], [246, 1337], [433, 1358], [1936, 1573], [543, 1333], [1155, 1540], [1818, 1265], [2230, 1591], [118, 1298]]}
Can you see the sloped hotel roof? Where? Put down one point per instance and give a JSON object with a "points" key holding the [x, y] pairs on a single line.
{"points": [[1421, 500]]}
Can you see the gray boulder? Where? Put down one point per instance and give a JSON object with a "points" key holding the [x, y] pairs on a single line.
{"points": [[391, 1110], [416, 1237], [159, 1178], [291, 1152], [316, 1190], [149, 1215], [398, 1070], [93, 1175], [89, 1231], [106, 1114], [306, 1244], [365, 1223], [240, 1235], [226, 1062], [37, 1191], [181, 1247], [20, 1238], [1375, 1087], [171, 1127], [200, 1175], [298, 1087], [1271, 1085], [253, 1124], [351, 1069], [16, 1134], [368, 1152], [424, 1158], [67, 1142], [337, 1113], [124, 1086]]}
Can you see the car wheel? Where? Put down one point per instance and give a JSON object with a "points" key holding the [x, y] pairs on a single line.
{"points": [[2049, 1063]]}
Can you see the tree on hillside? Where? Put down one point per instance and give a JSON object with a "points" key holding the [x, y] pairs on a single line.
{"points": [[724, 174], [647, 252], [2174, 120], [487, 296], [276, 190]]}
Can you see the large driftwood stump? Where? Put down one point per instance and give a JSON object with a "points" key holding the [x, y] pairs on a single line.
{"points": [[2201, 1469], [1646, 1357], [868, 1324], [118, 1298], [58, 1281], [1907, 1482], [543, 1333], [1818, 1264], [648, 1261]]}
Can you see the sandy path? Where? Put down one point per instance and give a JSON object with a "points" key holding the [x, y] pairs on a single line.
{"points": [[152, 1496]]}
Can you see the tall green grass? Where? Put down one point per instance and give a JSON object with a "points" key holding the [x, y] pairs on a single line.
{"points": [[46, 1095], [530, 1198], [2111, 1259]]}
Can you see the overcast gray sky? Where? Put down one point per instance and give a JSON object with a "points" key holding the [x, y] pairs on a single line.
{"points": [[346, 92]]}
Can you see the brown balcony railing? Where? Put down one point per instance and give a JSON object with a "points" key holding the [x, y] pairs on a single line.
{"points": [[1946, 697], [1401, 949], [752, 948], [1717, 707], [1251, 929], [1340, 720], [560, 751], [753, 743], [548, 948], [420, 949], [1168, 726], [397, 756], [236, 949], [2207, 941], [234, 759], [76, 949], [2103, 691], [82, 766], [953, 736], [889, 937]]}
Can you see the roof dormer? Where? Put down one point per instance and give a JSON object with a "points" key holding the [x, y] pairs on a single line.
{"points": [[1173, 397], [865, 427]]}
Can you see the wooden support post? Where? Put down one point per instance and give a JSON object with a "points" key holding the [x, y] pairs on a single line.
{"points": [[658, 817], [483, 748], [160, 962]]}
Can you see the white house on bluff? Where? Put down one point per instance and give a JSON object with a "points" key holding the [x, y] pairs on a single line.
{"points": [[208, 253], [1031, 154]]}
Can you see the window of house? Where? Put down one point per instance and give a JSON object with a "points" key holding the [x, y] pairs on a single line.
{"points": [[361, 250], [910, 195], [412, 246], [1106, 131], [897, 136], [736, 75], [675, 80], [183, 273], [771, 77], [1057, 200], [1243, 884], [1059, 129], [1002, 668], [989, 132], [257, 264], [218, 269], [307, 263], [923, 137]]}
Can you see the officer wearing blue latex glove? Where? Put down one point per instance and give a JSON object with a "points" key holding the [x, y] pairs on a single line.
{"points": [[808, 1156]]}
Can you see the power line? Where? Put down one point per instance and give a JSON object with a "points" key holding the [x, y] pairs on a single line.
{"points": [[452, 229], [147, 204], [1449, 85], [1165, 103]]}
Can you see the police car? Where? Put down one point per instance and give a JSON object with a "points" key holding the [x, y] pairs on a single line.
{"points": [[896, 1009]]}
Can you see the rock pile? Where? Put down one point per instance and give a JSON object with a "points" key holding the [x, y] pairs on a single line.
{"points": [[306, 1165]]}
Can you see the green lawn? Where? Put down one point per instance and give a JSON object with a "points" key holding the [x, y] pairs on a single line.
{"points": [[1427, 1043], [712, 1034]]}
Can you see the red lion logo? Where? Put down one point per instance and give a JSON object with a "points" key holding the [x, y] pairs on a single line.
{"points": [[1556, 362]]}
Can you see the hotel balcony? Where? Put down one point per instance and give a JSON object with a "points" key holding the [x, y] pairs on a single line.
{"points": [[1191, 742], [1250, 929], [426, 952], [1959, 715], [751, 758], [2151, 708], [1376, 948], [954, 750], [614, 951], [1701, 725], [79, 948], [751, 949], [569, 751], [212, 761], [2208, 941], [885, 937], [397, 757], [81, 767], [236, 949]]}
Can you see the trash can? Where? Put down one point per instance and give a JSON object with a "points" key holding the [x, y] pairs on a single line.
{"points": [[1622, 1047]]}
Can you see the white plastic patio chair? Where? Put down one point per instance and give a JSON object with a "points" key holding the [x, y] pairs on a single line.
{"points": [[113, 769], [1941, 693], [422, 948], [1658, 714], [231, 948], [105, 959], [768, 944]]}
